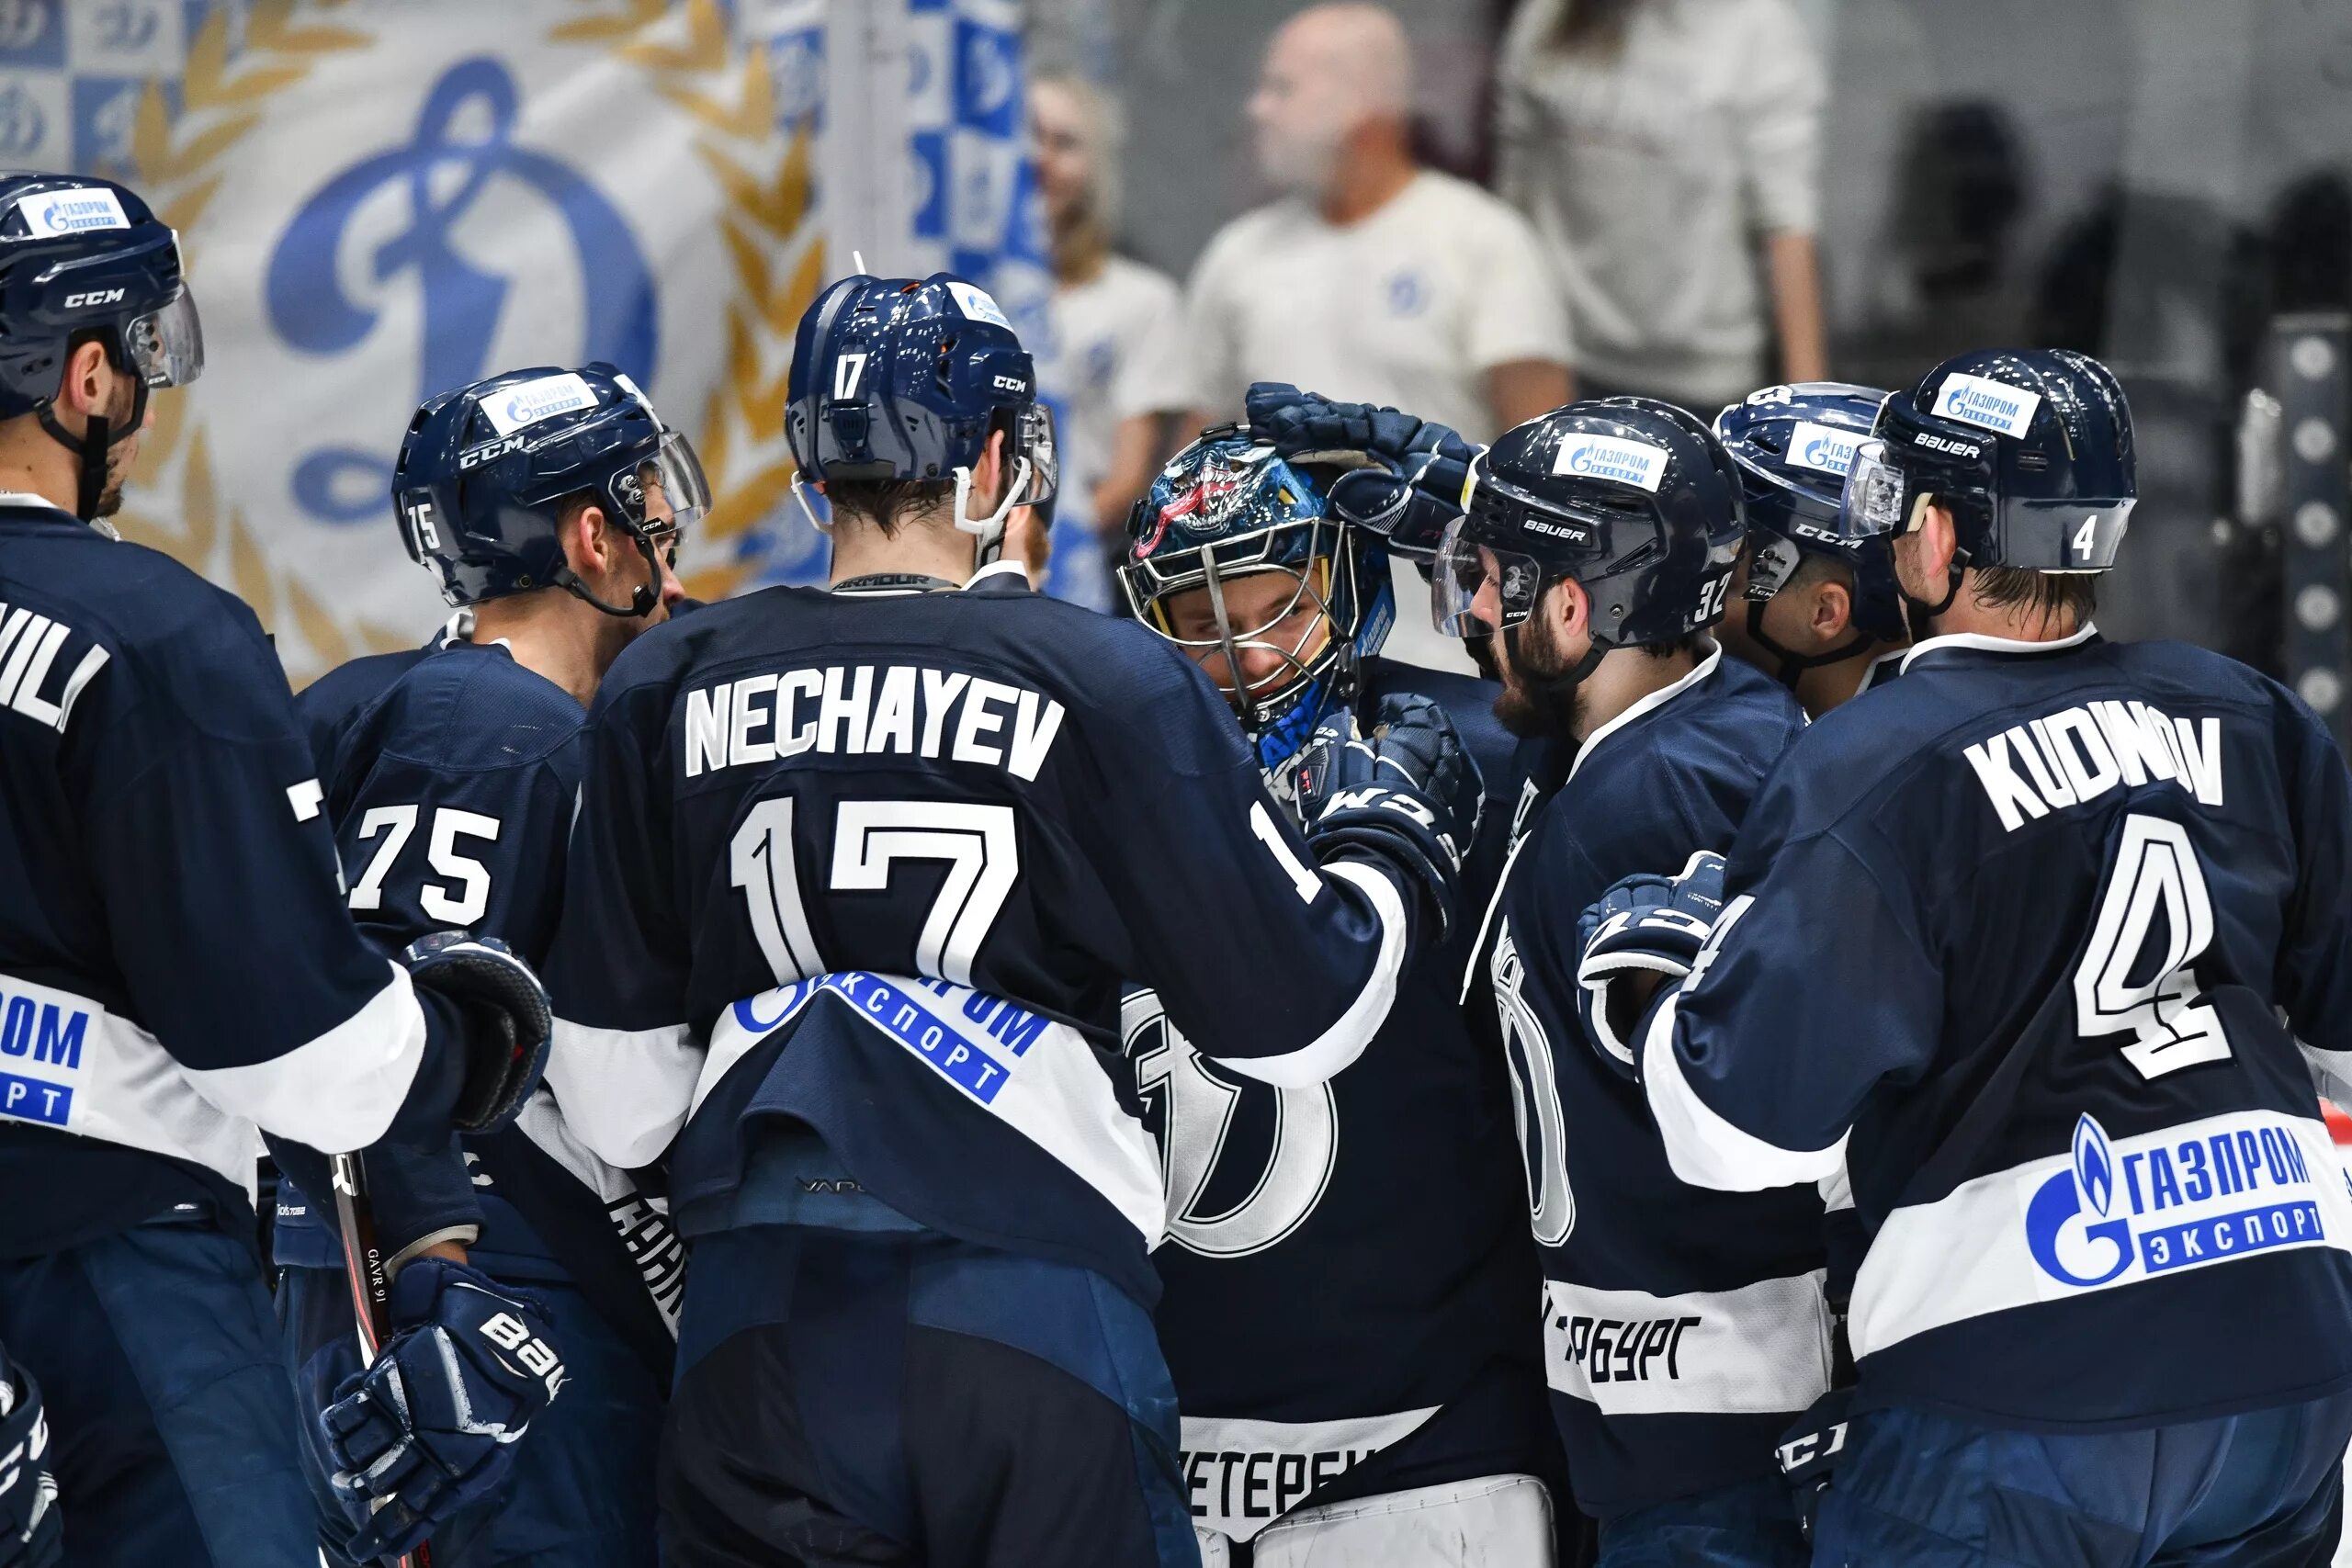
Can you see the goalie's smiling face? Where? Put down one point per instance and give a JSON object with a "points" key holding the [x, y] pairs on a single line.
{"points": [[1278, 623]]}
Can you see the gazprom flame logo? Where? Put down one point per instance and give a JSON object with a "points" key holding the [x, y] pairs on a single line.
{"points": [[2069, 1245]]}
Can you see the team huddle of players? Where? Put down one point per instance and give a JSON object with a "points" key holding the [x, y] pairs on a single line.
{"points": [[1014, 1086]]}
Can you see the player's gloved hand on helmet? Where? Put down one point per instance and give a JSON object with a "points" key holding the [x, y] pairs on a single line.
{"points": [[31, 1529], [1644, 929], [1408, 792], [1811, 1449], [1415, 487], [506, 1024], [430, 1426]]}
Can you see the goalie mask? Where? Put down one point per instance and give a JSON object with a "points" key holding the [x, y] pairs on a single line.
{"points": [[1235, 557]]}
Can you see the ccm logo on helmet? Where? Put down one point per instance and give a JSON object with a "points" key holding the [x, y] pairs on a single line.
{"points": [[1010, 384], [94, 297]]}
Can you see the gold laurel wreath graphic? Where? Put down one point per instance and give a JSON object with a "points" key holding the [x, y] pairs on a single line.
{"points": [[176, 164]]}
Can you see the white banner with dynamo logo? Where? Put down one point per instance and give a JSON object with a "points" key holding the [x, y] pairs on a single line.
{"points": [[381, 199]]}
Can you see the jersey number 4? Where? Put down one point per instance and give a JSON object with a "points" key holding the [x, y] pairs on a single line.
{"points": [[2136, 981], [978, 843]]}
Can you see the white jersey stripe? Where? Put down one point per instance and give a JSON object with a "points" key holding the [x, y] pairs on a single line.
{"points": [[1756, 1349]]}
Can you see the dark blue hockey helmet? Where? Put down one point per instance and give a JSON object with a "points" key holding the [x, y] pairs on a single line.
{"points": [[1228, 507], [488, 471], [1793, 446], [2029, 449], [896, 378], [81, 256], [1635, 499]]}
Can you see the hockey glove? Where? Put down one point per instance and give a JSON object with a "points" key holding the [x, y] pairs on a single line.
{"points": [[1644, 925], [1420, 469], [1811, 1449], [507, 1021], [31, 1530], [430, 1426], [1408, 793]]}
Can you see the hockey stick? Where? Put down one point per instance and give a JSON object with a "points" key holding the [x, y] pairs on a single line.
{"points": [[363, 1270]]}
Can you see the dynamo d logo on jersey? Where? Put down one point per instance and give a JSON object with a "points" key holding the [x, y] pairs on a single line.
{"points": [[1635, 462], [2179, 1199], [1990, 405], [1824, 449]]}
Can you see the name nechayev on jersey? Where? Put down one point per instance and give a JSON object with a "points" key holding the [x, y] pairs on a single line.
{"points": [[2074, 756], [866, 710]]}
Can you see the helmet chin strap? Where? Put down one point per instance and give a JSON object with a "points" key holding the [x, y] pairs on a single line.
{"points": [[1917, 613], [989, 529], [642, 599], [97, 439], [1793, 664]]}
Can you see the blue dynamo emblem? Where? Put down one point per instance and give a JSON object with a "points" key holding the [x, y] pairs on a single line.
{"points": [[445, 176]]}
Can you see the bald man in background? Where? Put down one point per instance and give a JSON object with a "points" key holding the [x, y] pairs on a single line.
{"points": [[1371, 279]]}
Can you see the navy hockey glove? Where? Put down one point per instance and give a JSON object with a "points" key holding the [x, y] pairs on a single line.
{"points": [[31, 1530], [430, 1426], [1811, 1449], [1420, 469], [1642, 925], [1409, 793], [507, 1021]]}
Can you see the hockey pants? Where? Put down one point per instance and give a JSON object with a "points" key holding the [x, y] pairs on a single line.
{"points": [[1922, 1490], [580, 1494], [171, 1426], [1752, 1525], [909, 1399]]}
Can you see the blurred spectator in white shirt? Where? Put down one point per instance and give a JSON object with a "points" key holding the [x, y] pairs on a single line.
{"points": [[1660, 145], [1370, 278]]}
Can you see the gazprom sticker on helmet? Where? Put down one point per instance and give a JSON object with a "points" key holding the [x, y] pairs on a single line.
{"points": [[1633, 463], [512, 408], [976, 304], [1991, 405], [71, 211], [1823, 447]]}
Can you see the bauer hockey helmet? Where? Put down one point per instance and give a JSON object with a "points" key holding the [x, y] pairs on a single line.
{"points": [[1793, 446], [1228, 507], [81, 255], [1635, 499], [2029, 449], [895, 378], [488, 470]]}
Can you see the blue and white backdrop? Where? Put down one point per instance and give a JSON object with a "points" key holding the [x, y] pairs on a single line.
{"points": [[382, 198]]}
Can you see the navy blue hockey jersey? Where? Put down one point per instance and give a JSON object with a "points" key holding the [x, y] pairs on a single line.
{"points": [[1344, 1257], [2028, 938], [876, 864], [175, 965], [450, 776], [1684, 1328]]}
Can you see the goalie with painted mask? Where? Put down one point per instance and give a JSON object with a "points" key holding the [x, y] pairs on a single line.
{"points": [[1345, 1271]]}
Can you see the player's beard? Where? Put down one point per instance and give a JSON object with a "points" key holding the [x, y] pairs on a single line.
{"points": [[1538, 698]]}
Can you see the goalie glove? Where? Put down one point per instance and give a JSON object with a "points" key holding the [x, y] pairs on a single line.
{"points": [[1644, 925], [1408, 795]]}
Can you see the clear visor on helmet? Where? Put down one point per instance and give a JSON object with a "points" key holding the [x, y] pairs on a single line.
{"points": [[1873, 503], [1032, 438], [167, 346], [1476, 589], [665, 494]]}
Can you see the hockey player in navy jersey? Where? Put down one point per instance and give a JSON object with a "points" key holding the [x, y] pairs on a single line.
{"points": [[549, 505], [175, 961], [1684, 1329], [1346, 1275], [857, 877], [1816, 610], [2044, 942]]}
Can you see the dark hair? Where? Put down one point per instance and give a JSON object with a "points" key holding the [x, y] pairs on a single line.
{"points": [[1686, 643], [2047, 595], [888, 504], [1592, 27]]}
